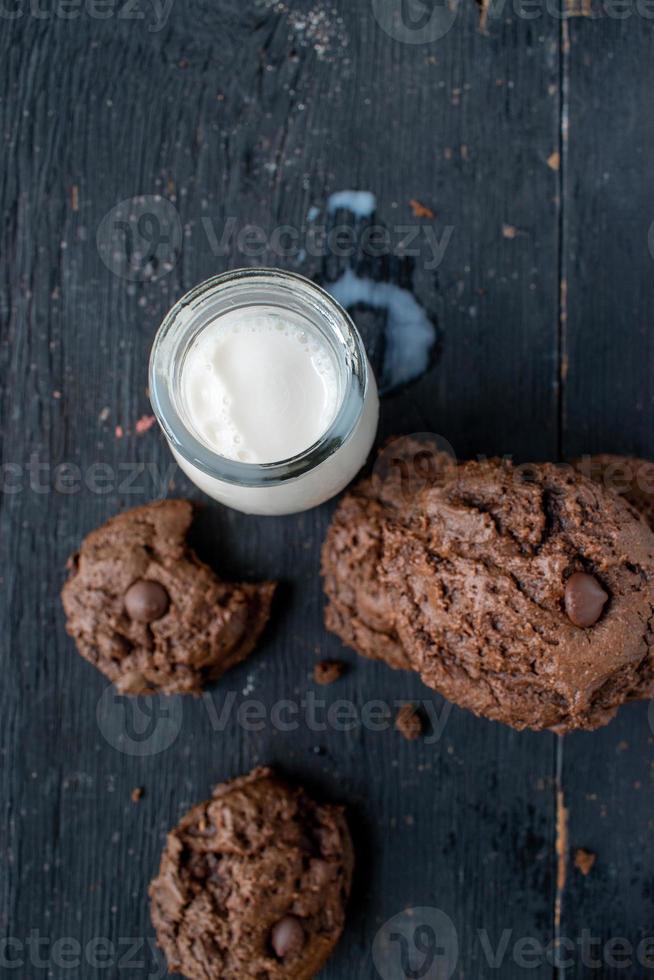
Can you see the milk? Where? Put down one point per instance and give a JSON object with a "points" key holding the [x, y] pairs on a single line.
{"points": [[259, 386]]}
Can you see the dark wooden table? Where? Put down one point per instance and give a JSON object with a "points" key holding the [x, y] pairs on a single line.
{"points": [[532, 140]]}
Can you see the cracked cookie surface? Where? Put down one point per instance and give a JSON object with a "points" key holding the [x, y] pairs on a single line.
{"points": [[628, 476], [253, 883], [151, 616], [359, 609], [479, 582]]}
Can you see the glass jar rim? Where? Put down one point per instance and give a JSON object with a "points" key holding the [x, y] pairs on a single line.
{"points": [[172, 340]]}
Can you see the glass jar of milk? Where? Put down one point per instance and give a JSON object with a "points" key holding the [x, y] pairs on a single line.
{"points": [[261, 384]]}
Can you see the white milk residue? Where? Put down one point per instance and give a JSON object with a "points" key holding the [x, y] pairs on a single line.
{"points": [[259, 386], [362, 204], [410, 334]]}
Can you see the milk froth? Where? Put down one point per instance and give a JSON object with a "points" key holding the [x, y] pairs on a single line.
{"points": [[259, 385]]}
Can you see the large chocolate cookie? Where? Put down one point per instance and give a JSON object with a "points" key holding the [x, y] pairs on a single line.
{"points": [[253, 884], [523, 594], [360, 609], [146, 612], [627, 476]]}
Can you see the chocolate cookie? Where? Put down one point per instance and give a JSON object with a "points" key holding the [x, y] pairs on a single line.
{"points": [[627, 476], [526, 595], [360, 610], [523, 594], [253, 884], [146, 612]]}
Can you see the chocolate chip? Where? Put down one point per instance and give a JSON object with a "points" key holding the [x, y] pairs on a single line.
{"points": [[287, 937], [584, 599], [146, 601]]}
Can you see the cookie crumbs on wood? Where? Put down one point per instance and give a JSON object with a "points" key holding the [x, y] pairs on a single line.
{"points": [[579, 8], [585, 860], [328, 671], [554, 160], [420, 210], [409, 722], [144, 424], [484, 7]]}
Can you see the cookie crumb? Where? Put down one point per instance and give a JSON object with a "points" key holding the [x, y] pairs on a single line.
{"points": [[137, 794], [574, 8], [585, 860], [554, 160], [144, 424], [409, 722], [420, 210], [328, 671]]}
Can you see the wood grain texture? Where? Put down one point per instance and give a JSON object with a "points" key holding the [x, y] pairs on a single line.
{"points": [[234, 110], [607, 778]]}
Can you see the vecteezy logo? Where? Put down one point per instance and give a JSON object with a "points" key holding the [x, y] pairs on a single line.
{"points": [[140, 239], [415, 21], [417, 944], [139, 726]]}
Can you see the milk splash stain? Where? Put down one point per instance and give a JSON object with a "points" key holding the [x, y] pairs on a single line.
{"points": [[409, 333], [401, 346], [362, 204]]}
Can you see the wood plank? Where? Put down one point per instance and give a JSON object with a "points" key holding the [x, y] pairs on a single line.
{"points": [[607, 777]]}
